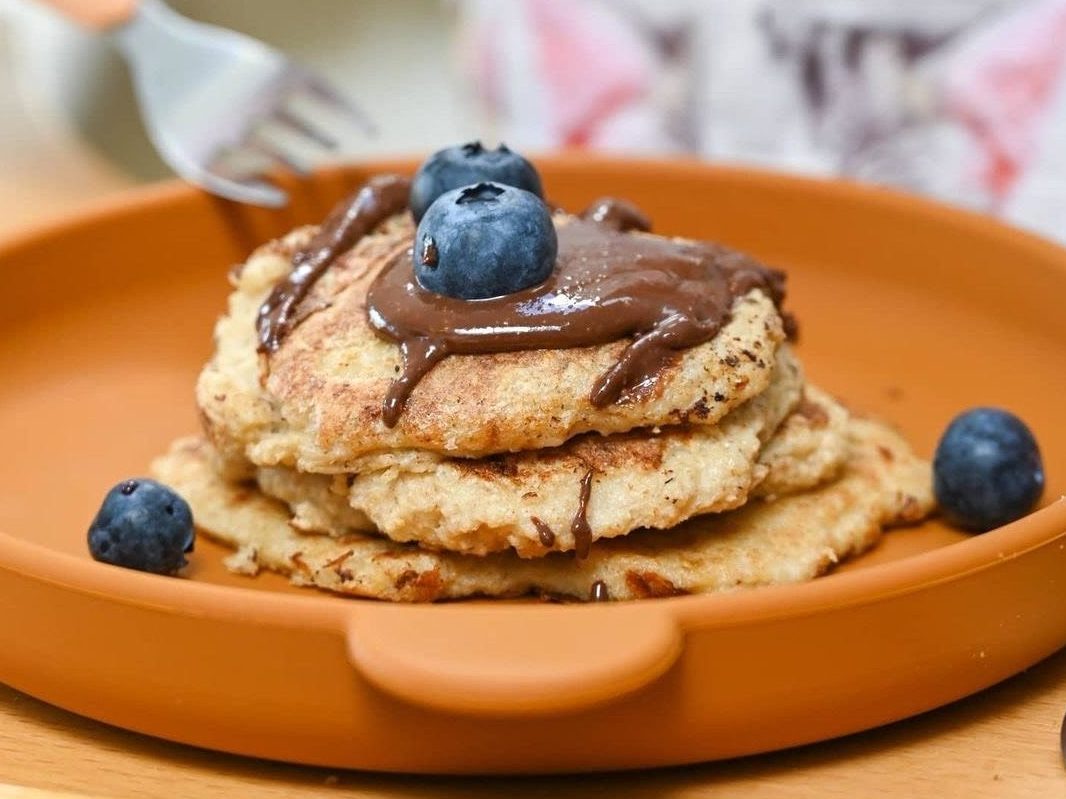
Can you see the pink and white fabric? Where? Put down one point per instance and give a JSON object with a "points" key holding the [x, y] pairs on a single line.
{"points": [[964, 100], [1001, 83]]}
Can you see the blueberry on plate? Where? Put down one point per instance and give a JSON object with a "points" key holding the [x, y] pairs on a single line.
{"points": [[485, 240], [142, 525], [466, 164], [987, 470]]}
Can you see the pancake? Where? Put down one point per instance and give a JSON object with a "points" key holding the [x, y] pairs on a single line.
{"points": [[529, 501], [316, 403], [791, 539], [808, 449]]}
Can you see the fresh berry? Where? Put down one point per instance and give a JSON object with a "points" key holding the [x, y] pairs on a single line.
{"points": [[142, 525], [485, 240], [450, 169], [987, 470]]}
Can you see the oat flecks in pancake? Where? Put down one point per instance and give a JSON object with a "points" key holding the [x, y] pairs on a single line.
{"points": [[640, 479], [792, 539], [318, 408], [808, 449]]}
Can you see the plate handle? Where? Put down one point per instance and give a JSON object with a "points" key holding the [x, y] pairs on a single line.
{"points": [[514, 659]]}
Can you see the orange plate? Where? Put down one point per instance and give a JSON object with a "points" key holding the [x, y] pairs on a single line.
{"points": [[909, 310]]}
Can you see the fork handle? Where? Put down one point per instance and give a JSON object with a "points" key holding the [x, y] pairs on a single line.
{"points": [[98, 14]]}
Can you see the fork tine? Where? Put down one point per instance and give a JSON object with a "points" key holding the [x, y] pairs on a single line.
{"points": [[254, 190], [325, 93], [204, 90], [299, 124], [241, 161], [289, 161], [278, 154], [266, 191]]}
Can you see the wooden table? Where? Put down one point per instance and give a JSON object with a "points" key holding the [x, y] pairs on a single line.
{"points": [[1001, 743]]}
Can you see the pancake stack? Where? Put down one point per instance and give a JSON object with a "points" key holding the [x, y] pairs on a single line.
{"points": [[501, 476]]}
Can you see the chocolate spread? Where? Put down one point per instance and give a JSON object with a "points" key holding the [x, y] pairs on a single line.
{"points": [[544, 532], [607, 285], [617, 215], [579, 526], [378, 199], [598, 592]]}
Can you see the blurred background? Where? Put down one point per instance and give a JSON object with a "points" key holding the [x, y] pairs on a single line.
{"points": [[963, 100]]}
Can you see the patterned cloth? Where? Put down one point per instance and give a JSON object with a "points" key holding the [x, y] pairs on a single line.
{"points": [[964, 100]]}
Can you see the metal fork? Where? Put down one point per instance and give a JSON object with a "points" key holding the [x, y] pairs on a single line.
{"points": [[221, 107]]}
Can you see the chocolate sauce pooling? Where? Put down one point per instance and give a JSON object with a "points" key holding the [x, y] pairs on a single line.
{"points": [[380, 197], [607, 285]]}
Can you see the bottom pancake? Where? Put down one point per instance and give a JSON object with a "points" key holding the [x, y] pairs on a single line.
{"points": [[786, 540]]}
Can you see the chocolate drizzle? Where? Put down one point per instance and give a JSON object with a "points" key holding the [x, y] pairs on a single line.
{"points": [[381, 197], [663, 294], [419, 356], [544, 532], [617, 215], [598, 592], [666, 295], [579, 526]]}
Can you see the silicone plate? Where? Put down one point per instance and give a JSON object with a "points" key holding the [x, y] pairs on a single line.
{"points": [[908, 310]]}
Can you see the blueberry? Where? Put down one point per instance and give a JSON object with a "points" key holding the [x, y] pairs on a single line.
{"points": [[142, 525], [455, 167], [485, 240], [987, 470]]}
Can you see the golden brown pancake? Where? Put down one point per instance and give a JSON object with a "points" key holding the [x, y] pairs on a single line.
{"points": [[809, 447], [528, 501], [790, 539], [315, 404]]}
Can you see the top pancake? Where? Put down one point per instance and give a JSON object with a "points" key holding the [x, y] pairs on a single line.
{"points": [[315, 404]]}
